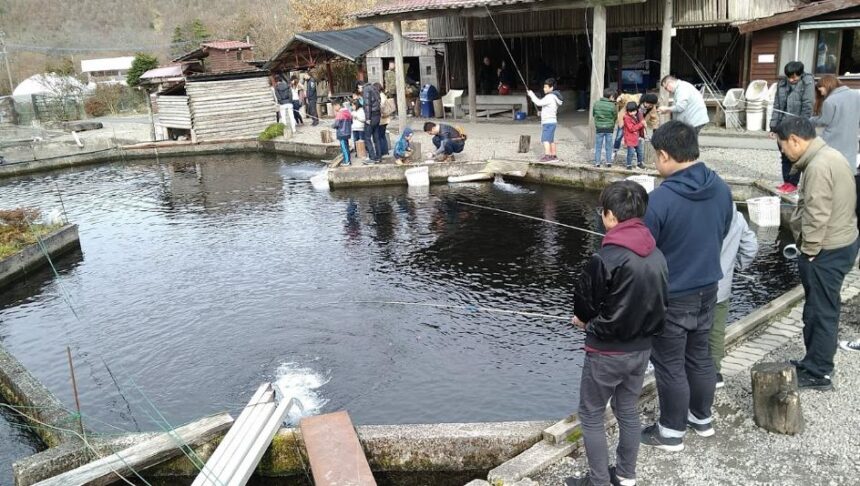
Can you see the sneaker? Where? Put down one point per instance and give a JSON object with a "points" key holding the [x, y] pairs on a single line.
{"points": [[781, 187], [581, 109], [720, 382], [583, 481], [615, 480], [345, 164], [368, 162], [651, 437], [596, 166], [607, 165], [850, 345], [806, 381], [787, 188], [702, 430], [545, 158], [629, 167], [641, 166]]}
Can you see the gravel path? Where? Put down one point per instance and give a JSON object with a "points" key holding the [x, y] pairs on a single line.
{"points": [[742, 454]]}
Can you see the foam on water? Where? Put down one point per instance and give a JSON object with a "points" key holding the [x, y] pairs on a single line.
{"points": [[500, 183], [294, 381]]}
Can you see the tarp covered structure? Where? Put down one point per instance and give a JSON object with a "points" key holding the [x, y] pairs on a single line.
{"points": [[309, 49]]}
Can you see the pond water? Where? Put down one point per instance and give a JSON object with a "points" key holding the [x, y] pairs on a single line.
{"points": [[202, 277]]}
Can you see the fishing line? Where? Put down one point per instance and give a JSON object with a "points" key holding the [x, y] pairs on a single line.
{"points": [[513, 61], [532, 217], [452, 306]]}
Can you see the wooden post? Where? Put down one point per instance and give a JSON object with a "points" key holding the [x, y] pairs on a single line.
{"points": [[745, 69], [598, 65], [401, 76], [151, 118], [326, 136], [525, 144], [776, 401], [360, 149], [331, 80], [470, 68], [666, 53]]}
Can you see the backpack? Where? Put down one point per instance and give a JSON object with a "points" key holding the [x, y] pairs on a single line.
{"points": [[389, 107]]}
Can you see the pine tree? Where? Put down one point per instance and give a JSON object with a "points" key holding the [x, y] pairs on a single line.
{"points": [[180, 42], [198, 31], [141, 64]]}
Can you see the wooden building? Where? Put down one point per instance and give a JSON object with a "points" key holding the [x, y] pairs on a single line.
{"points": [[219, 56], [824, 36]]}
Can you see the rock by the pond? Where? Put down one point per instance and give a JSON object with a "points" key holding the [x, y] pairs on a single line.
{"points": [[81, 126]]}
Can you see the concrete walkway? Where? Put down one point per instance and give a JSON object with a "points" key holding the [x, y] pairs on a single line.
{"points": [[741, 453]]}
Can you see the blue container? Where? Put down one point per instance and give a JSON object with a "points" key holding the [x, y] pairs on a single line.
{"points": [[427, 95], [520, 116]]}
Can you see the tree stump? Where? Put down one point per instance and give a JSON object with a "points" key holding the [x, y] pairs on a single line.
{"points": [[776, 401], [326, 136], [525, 144], [416, 153], [360, 149]]}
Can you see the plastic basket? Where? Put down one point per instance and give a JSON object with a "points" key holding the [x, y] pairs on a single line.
{"points": [[764, 211], [418, 176], [645, 181]]}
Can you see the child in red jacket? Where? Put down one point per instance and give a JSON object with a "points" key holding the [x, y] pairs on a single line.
{"points": [[634, 131]]}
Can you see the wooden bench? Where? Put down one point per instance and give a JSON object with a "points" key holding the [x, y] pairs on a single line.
{"points": [[496, 104]]}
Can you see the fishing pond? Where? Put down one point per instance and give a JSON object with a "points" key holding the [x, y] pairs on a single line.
{"points": [[201, 277]]}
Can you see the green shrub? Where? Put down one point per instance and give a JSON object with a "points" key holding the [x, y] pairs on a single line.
{"points": [[273, 131]]}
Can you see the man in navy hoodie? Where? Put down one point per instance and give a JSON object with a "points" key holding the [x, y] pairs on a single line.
{"points": [[620, 302], [689, 215]]}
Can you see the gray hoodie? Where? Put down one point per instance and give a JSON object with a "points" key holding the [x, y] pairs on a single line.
{"points": [[549, 106], [840, 117], [740, 247]]}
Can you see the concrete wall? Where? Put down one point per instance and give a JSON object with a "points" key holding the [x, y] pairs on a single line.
{"points": [[17, 265], [390, 174]]}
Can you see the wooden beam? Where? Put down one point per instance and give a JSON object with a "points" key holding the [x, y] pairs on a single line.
{"points": [[598, 65], [481, 11], [143, 455], [400, 85], [796, 15], [470, 68], [666, 50]]}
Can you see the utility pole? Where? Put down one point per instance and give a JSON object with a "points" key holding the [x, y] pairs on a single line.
{"points": [[6, 60]]}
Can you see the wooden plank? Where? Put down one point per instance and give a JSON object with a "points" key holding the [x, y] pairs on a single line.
{"points": [[798, 14], [335, 454], [141, 456]]}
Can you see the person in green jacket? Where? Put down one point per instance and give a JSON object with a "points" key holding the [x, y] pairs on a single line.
{"points": [[605, 113]]}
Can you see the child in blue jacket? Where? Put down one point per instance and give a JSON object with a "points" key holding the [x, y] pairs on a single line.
{"points": [[403, 147]]}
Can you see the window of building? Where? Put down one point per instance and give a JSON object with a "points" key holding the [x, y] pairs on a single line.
{"points": [[805, 54], [827, 51], [849, 59]]}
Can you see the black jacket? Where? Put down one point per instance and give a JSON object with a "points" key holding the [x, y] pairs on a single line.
{"points": [[372, 104], [311, 89], [283, 93], [623, 292]]}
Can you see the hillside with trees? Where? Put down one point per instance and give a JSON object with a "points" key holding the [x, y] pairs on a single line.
{"points": [[44, 33]]}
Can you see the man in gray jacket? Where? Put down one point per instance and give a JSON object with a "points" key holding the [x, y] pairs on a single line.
{"points": [[689, 105], [795, 94], [825, 227], [740, 247]]}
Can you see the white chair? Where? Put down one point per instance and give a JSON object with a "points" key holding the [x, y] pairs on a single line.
{"points": [[451, 100]]}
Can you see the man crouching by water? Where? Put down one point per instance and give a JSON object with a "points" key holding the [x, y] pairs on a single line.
{"points": [[620, 303]]}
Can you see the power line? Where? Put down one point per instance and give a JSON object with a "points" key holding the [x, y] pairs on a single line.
{"points": [[35, 48]]}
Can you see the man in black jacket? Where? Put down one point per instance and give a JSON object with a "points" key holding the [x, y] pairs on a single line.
{"points": [[311, 96], [620, 302], [373, 115]]}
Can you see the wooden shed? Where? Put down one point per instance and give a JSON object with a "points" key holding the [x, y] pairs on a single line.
{"points": [[824, 36], [423, 60]]}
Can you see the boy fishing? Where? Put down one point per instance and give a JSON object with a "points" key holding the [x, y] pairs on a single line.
{"points": [[548, 117]]}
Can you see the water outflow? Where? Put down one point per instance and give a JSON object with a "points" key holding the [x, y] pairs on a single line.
{"points": [[499, 183], [301, 384]]}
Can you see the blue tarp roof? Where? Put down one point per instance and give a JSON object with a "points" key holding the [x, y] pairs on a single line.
{"points": [[307, 49]]}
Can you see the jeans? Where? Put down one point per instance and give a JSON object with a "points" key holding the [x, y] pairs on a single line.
{"points": [[682, 362], [857, 207], [382, 136], [822, 281], [344, 149], [619, 136], [602, 140], [583, 100], [371, 140], [297, 105], [450, 146], [786, 170], [717, 338], [312, 111], [620, 378], [639, 150]]}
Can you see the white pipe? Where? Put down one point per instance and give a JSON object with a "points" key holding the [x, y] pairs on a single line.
{"points": [[254, 428], [791, 252], [797, 45], [254, 453], [258, 416], [202, 479]]}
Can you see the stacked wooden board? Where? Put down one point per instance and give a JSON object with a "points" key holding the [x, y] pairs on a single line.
{"points": [[173, 112], [232, 108]]}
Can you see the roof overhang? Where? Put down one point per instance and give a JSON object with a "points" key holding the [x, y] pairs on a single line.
{"points": [[797, 15], [474, 8], [308, 49]]}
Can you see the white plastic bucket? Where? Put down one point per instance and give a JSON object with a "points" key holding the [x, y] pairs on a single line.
{"points": [[418, 176], [755, 119], [320, 181], [764, 211], [645, 181], [757, 90]]}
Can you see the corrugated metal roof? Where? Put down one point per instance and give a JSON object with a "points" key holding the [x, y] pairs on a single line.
{"points": [[350, 44], [405, 6], [107, 64], [163, 72], [226, 44], [419, 37]]}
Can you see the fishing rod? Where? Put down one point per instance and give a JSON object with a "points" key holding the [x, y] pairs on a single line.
{"points": [[532, 217], [513, 61]]}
